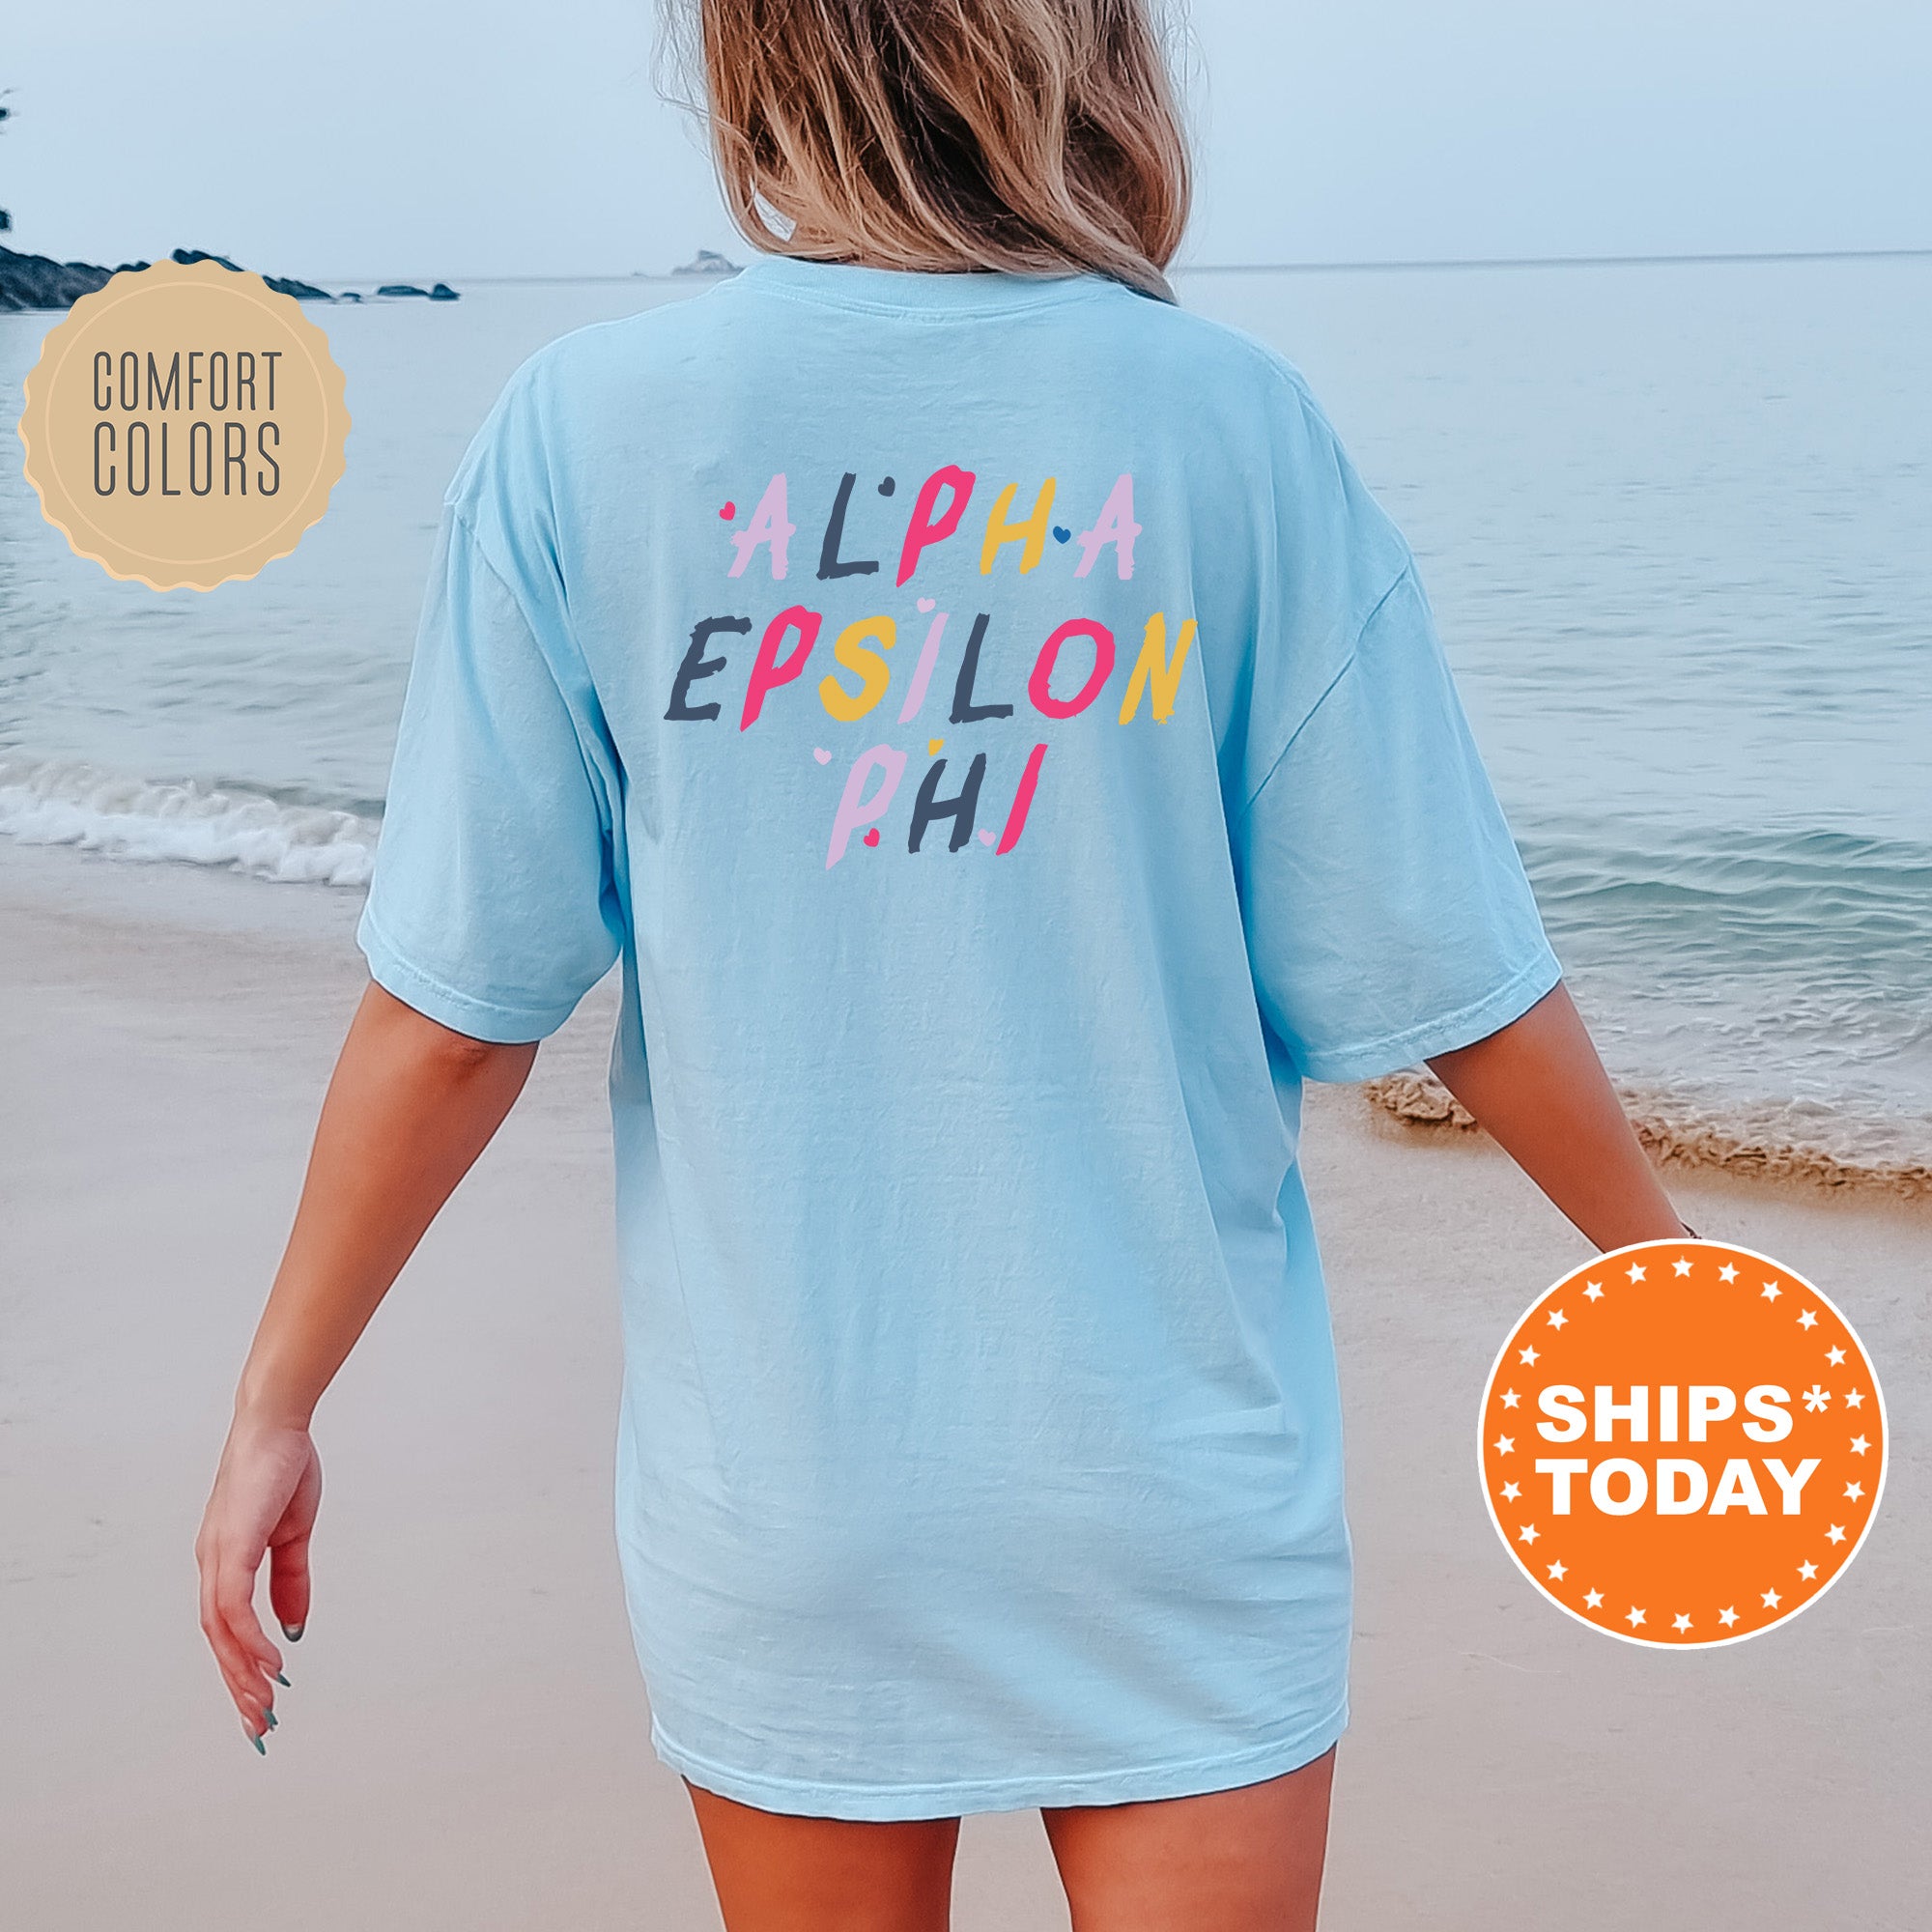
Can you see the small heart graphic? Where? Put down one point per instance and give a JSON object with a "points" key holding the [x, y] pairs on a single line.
{"points": [[986, 838], [729, 511], [925, 603], [819, 752], [934, 744], [1061, 535], [873, 836]]}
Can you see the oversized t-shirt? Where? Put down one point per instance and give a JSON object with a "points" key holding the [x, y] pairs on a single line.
{"points": [[1006, 749]]}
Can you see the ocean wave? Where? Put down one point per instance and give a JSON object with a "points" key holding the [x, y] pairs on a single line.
{"points": [[1839, 919], [1766, 1140], [64, 801]]}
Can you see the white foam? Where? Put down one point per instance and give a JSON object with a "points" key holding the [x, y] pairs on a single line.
{"points": [[56, 802]]}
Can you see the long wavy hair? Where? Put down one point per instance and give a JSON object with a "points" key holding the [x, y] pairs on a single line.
{"points": [[1037, 137]]}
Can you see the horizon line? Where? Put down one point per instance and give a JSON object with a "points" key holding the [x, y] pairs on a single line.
{"points": [[1395, 266], [1555, 261]]}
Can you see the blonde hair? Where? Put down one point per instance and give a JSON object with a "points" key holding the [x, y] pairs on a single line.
{"points": [[1037, 137]]}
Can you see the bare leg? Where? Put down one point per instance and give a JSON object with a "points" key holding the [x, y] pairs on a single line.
{"points": [[776, 1873], [1242, 1860]]}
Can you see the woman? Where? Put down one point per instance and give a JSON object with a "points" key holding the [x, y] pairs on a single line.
{"points": [[1008, 749]]}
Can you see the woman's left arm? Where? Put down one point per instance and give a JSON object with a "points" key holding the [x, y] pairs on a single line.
{"points": [[1540, 1091]]}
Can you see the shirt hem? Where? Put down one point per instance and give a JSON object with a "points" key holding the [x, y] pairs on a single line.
{"points": [[1469, 1024], [462, 1013], [1187, 1777]]}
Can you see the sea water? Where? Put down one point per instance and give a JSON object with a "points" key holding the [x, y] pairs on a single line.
{"points": [[1675, 520]]}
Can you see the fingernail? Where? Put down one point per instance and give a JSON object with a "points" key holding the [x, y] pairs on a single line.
{"points": [[254, 1737], [272, 1720], [283, 1681], [293, 1631]]}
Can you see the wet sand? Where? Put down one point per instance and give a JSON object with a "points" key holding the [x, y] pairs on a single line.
{"points": [[464, 1745]]}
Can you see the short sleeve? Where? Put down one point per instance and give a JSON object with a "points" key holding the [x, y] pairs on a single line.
{"points": [[494, 907], [1388, 915]]}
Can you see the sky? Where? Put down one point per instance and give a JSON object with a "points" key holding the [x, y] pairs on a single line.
{"points": [[373, 139]]}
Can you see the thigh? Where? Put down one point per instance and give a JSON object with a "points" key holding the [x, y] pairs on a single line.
{"points": [[1242, 1860], [778, 1873]]}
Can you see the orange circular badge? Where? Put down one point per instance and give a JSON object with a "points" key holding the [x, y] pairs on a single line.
{"points": [[1683, 1444]]}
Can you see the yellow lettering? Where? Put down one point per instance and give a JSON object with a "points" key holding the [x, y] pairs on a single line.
{"points": [[1152, 670], [1032, 532], [849, 706]]}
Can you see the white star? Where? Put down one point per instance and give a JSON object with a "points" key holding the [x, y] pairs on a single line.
{"points": [[1859, 1444], [1771, 1290], [1593, 1600], [1680, 1267], [1528, 1533], [1557, 1573], [1853, 1491], [1772, 1600], [1808, 1319], [1680, 1622], [1727, 1616], [1836, 1356], [1594, 1291], [1816, 1398], [1557, 1318], [1727, 1273], [1511, 1398], [1808, 1571], [1510, 1493], [1854, 1399], [1835, 1534], [1527, 1357], [1635, 1617], [1505, 1444], [1635, 1271]]}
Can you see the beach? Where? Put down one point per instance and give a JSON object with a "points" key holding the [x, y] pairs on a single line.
{"points": [[463, 1742]]}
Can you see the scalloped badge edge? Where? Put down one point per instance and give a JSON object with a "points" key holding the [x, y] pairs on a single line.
{"points": [[37, 401]]}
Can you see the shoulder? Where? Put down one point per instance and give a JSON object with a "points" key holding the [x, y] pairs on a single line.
{"points": [[1215, 363], [564, 396], [655, 337]]}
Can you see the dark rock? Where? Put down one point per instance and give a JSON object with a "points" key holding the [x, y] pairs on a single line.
{"points": [[37, 281], [442, 293], [401, 289], [188, 257], [707, 262], [283, 285]]}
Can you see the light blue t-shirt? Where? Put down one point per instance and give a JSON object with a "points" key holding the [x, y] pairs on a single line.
{"points": [[1008, 749]]}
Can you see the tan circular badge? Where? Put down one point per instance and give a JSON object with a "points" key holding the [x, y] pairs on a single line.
{"points": [[183, 425], [1683, 1444]]}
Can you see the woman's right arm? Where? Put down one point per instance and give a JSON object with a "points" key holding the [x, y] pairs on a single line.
{"points": [[410, 1107], [1536, 1086]]}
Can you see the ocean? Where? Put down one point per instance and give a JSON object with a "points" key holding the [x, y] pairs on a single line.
{"points": [[1675, 521]]}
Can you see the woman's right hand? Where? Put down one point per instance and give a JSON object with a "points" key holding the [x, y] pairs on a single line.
{"points": [[263, 1504], [411, 1106]]}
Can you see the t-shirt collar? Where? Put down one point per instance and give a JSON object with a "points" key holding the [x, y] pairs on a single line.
{"points": [[847, 285]]}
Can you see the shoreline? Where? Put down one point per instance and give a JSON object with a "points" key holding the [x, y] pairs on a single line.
{"points": [[1680, 1136], [84, 817]]}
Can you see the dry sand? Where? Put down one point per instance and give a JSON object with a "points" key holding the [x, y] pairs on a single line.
{"points": [[464, 1745]]}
